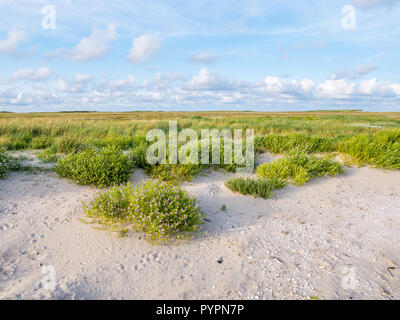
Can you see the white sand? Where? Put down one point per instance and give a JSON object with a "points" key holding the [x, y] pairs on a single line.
{"points": [[292, 246]]}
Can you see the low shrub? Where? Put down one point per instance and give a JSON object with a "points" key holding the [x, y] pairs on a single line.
{"points": [[100, 167], [7, 164], [258, 188], [160, 210], [381, 149], [299, 168]]}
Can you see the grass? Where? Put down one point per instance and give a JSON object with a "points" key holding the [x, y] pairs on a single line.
{"points": [[366, 138], [158, 209], [258, 188], [68, 132], [298, 168]]}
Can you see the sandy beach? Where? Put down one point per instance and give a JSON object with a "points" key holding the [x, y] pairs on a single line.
{"points": [[333, 238]]}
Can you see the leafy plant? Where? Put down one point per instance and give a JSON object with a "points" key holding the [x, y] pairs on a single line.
{"points": [[161, 210], [299, 168], [381, 149], [7, 164], [100, 167], [223, 208], [256, 187]]}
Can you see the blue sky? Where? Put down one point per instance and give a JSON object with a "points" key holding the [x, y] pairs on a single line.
{"points": [[199, 55]]}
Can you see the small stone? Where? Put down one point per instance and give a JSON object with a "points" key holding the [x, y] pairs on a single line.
{"points": [[220, 260]]}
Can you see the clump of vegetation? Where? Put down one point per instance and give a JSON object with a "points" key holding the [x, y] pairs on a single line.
{"points": [[47, 156], [296, 141], [161, 210], [7, 164], [381, 149], [174, 173], [299, 168], [100, 167], [223, 208], [256, 187]]}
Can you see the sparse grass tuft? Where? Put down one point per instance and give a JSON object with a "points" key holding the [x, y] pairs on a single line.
{"points": [[258, 188], [47, 156]]}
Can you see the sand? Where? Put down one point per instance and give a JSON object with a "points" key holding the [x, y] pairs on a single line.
{"points": [[333, 238]]}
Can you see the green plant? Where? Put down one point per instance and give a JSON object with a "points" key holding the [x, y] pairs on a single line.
{"points": [[7, 164], [174, 173], [47, 155], [299, 168], [100, 167], [256, 187], [381, 149], [161, 210], [295, 141], [223, 208]]}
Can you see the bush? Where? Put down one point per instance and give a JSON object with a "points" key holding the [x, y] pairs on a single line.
{"points": [[381, 149], [7, 164], [299, 168], [160, 210], [100, 167], [258, 188]]}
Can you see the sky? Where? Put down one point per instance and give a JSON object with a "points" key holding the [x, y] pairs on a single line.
{"points": [[199, 55]]}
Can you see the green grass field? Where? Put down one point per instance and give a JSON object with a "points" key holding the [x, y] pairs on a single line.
{"points": [[364, 137]]}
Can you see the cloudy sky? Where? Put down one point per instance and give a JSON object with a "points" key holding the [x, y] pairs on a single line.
{"points": [[199, 55]]}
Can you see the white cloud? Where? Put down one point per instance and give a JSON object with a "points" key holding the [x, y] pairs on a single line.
{"points": [[95, 46], [364, 69], [274, 85], [40, 74], [82, 78], [10, 44], [367, 4], [167, 78], [208, 89], [335, 89], [21, 99], [79, 84], [144, 48], [123, 84], [206, 80], [375, 88], [203, 57]]}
